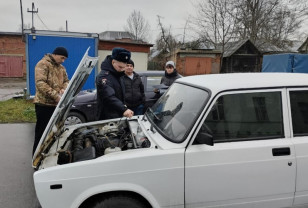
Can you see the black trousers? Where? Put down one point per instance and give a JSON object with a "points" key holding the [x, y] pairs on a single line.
{"points": [[43, 115]]}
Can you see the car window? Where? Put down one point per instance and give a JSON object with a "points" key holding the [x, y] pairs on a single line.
{"points": [[299, 112], [245, 116], [151, 81], [176, 111]]}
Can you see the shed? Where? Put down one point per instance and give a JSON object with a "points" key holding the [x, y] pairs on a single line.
{"points": [[241, 56], [197, 61]]}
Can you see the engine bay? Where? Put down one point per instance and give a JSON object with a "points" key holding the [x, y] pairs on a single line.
{"points": [[92, 141]]}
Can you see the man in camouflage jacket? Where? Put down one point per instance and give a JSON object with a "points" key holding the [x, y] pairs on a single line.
{"points": [[50, 83]]}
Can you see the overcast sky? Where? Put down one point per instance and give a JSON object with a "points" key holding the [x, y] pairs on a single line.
{"points": [[95, 16]]}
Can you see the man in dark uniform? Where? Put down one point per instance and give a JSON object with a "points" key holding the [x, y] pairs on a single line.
{"points": [[110, 86]]}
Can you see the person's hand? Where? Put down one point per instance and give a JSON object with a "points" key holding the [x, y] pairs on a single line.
{"points": [[156, 90], [58, 98], [128, 113], [62, 91]]}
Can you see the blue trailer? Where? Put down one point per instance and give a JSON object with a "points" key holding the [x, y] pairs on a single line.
{"points": [[288, 62], [39, 43]]}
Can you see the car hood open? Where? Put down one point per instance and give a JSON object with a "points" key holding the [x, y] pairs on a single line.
{"points": [[56, 123]]}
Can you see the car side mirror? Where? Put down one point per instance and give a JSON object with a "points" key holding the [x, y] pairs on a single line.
{"points": [[204, 138]]}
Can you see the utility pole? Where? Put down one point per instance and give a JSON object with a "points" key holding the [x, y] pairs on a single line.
{"points": [[33, 11], [22, 21]]}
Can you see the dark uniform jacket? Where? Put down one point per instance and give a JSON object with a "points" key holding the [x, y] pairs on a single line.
{"points": [[134, 91], [110, 91], [168, 79]]}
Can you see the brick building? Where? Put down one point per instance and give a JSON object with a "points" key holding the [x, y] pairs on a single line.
{"points": [[12, 55]]}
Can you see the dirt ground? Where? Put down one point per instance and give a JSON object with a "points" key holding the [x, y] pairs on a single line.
{"points": [[11, 87], [13, 83]]}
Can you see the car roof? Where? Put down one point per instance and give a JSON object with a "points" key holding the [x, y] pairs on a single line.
{"points": [[232, 81], [150, 73]]}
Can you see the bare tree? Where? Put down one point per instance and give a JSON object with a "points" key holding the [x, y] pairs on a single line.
{"points": [[165, 44], [214, 21], [273, 21], [138, 26], [166, 41]]}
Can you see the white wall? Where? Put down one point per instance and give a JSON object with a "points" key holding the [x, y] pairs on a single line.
{"points": [[140, 59]]}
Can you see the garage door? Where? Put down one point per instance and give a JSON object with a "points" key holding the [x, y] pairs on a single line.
{"points": [[11, 66]]}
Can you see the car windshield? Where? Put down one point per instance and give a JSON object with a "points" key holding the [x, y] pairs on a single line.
{"points": [[176, 111]]}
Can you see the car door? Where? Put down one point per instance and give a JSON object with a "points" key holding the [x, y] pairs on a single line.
{"points": [[299, 114], [252, 162]]}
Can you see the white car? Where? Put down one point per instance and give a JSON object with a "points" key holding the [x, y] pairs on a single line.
{"points": [[226, 140]]}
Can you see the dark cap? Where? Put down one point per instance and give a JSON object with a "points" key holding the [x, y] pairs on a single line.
{"points": [[131, 62], [60, 51], [120, 54]]}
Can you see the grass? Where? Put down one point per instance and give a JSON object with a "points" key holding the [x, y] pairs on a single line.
{"points": [[17, 111]]}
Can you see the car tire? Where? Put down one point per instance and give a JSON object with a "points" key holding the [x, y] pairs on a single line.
{"points": [[74, 118], [120, 201]]}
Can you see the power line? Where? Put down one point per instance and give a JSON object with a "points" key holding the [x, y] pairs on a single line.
{"points": [[42, 21]]}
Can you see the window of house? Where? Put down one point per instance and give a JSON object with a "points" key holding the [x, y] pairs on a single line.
{"points": [[299, 111], [245, 116]]}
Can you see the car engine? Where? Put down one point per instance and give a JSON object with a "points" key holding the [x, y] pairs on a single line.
{"points": [[90, 142]]}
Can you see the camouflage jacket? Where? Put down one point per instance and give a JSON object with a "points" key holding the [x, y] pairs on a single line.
{"points": [[50, 78]]}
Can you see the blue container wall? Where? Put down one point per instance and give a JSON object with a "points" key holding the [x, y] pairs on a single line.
{"points": [[296, 63], [38, 46], [278, 63]]}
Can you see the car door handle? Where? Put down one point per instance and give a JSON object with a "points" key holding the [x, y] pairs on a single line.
{"points": [[281, 151]]}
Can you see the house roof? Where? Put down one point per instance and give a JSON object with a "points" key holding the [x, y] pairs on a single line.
{"points": [[121, 36], [295, 45], [10, 33], [266, 47], [115, 35], [232, 47], [303, 46]]}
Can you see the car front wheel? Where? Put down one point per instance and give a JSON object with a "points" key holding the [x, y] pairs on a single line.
{"points": [[120, 201], [74, 118]]}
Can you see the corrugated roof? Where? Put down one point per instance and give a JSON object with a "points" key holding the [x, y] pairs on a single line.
{"points": [[266, 47], [232, 47], [10, 33], [303, 46], [115, 35]]}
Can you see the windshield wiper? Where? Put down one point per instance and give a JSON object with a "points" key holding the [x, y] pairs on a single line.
{"points": [[172, 113], [154, 114]]}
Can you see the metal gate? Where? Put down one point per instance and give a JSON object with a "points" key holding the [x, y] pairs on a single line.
{"points": [[10, 66]]}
